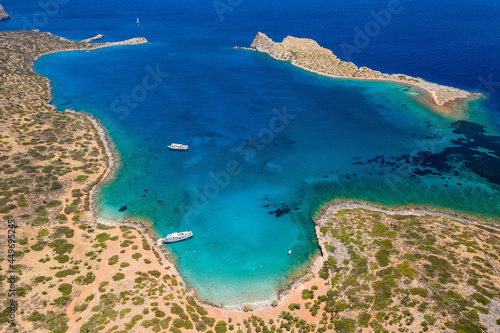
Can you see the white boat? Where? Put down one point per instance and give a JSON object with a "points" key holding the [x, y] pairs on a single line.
{"points": [[177, 237], [178, 146], [137, 21], [289, 252]]}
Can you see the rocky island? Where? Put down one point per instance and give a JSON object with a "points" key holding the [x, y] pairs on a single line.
{"points": [[3, 14], [309, 55]]}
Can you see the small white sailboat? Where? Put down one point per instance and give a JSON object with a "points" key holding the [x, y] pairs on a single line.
{"points": [[137, 21], [289, 252]]}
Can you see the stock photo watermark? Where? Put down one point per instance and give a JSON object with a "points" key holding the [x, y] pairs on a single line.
{"points": [[11, 276], [50, 8], [487, 83], [223, 6], [130, 101], [417, 157], [364, 36], [248, 149]]}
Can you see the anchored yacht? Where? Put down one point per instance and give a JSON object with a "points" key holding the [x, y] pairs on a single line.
{"points": [[176, 237], [178, 146]]}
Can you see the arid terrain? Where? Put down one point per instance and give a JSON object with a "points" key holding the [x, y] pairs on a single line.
{"points": [[379, 271]]}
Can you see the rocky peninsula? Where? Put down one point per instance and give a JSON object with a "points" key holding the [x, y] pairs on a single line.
{"points": [[3, 14], [91, 39], [309, 55]]}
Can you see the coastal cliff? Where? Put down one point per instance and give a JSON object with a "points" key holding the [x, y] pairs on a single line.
{"points": [[3, 14], [309, 55]]}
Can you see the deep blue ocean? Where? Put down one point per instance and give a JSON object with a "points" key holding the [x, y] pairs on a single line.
{"points": [[270, 143]]}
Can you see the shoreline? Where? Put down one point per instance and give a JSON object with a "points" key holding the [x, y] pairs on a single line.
{"points": [[141, 226], [296, 282], [388, 80], [428, 99], [308, 55], [435, 105], [418, 211], [145, 229]]}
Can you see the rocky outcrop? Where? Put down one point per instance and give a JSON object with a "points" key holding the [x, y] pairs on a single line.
{"points": [[132, 41], [309, 55], [91, 39], [3, 14]]}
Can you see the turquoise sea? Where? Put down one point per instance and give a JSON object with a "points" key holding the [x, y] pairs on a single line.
{"points": [[271, 143]]}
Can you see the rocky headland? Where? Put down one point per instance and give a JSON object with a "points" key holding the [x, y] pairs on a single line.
{"points": [[309, 55], [91, 39], [3, 14]]}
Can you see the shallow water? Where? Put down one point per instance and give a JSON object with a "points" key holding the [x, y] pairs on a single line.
{"points": [[249, 201]]}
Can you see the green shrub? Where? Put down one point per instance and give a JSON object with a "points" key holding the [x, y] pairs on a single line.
{"points": [[63, 300], [102, 237], [39, 279], [64, 230], [89, 278], [65, 288], [209, 321], [66, 272], [420, 292], [80, 308], [382, 257], [364, 319], [176, 309], [62, 258], [39, 221], [159, 314], [200, 326], [345, 325], [70, 209], [81, 178], [43, 232], [36, 316], [53, 203], [480, 299], [430, 319], [220, 327], [118, 276], [61, 246], [36, 247], [124, 312], [113, 260], [155, 273], [61, 217], [406, 269]]}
